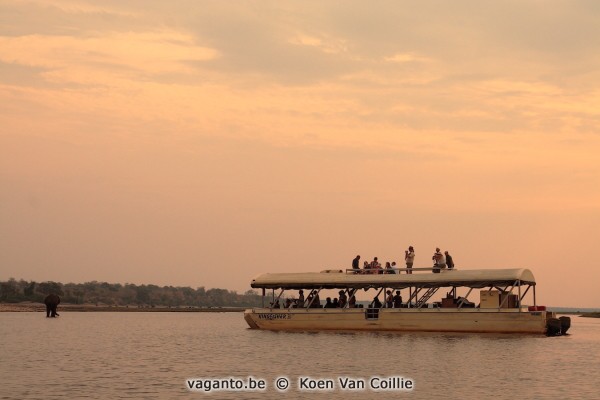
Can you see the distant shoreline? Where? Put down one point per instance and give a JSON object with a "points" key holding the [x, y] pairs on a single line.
{"points": [[591, 315], [37, 307]]}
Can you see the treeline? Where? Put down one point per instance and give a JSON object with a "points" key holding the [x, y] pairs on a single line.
{"points": [[115, 294]]}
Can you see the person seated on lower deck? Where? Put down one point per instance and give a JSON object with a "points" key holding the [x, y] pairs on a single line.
{"points": [[397, 300], [328, 303], [376, 303], [300, 302], [316, 301], [389, 299], [336, 303], [309, 300], [343, 299], [373, 309], [288, 303]]}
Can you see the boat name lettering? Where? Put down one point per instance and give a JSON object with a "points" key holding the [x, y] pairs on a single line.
{"points": [[272, 316]]}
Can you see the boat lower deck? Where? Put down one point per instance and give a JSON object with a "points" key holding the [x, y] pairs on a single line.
{"points": [[399, 319]]}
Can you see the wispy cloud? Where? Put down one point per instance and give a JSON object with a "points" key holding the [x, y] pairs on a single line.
{"points": [[406, 58]]}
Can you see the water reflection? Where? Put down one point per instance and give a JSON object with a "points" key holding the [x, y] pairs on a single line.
{"points": [[145, 355]]}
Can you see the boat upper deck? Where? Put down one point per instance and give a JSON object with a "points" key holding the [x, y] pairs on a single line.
{"points": [[476, 278]]}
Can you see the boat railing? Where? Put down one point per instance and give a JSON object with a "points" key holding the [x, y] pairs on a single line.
{"points": [[352, 271]]}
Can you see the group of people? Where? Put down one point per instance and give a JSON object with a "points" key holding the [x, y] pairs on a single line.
{"points": [[440, 261], [391, 301], [373, 267], [313, 301]]}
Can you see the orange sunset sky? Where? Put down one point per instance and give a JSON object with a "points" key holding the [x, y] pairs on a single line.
{"points": [[201, 143]]}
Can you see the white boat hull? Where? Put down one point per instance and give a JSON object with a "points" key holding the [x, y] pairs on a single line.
{"points": [[402, 319]]}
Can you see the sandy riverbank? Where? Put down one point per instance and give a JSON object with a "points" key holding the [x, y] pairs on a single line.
{"points": [[21, 307], [38, 307], [591, 315]]}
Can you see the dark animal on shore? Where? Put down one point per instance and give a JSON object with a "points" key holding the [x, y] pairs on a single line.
{"points": [[52, 301]]}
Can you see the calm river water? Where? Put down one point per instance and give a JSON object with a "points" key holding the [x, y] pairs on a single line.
{"points": [[151, 355]]}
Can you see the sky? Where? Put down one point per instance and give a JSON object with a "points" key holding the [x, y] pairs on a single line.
{"points": [[202, 143]]}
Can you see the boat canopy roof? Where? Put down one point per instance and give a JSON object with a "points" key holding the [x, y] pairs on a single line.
{"points": [[334, 279]]}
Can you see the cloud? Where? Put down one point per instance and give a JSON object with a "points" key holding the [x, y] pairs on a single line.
{"points": [[90, 59], [327, 67], [405, 58], [61, 17], [22, 75], [326, 44]]}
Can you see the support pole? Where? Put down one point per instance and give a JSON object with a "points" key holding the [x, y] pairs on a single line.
{"points": [[347, 291], [378, 293], [462, 301], [519, 305], [278, 297], [313, 298], [417, 294], [523, 295], [506, 296]]}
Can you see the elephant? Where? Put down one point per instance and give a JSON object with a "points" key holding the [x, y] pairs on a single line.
{"points": [[52, 301]]}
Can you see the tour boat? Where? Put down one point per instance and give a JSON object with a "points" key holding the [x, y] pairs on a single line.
{"points": [[499, 308]]}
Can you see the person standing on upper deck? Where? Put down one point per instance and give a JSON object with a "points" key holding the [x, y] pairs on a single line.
{"points": [[376, 267], [438, 260], [449, 260], [409, 257], [375, 263], [355, 265]]}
